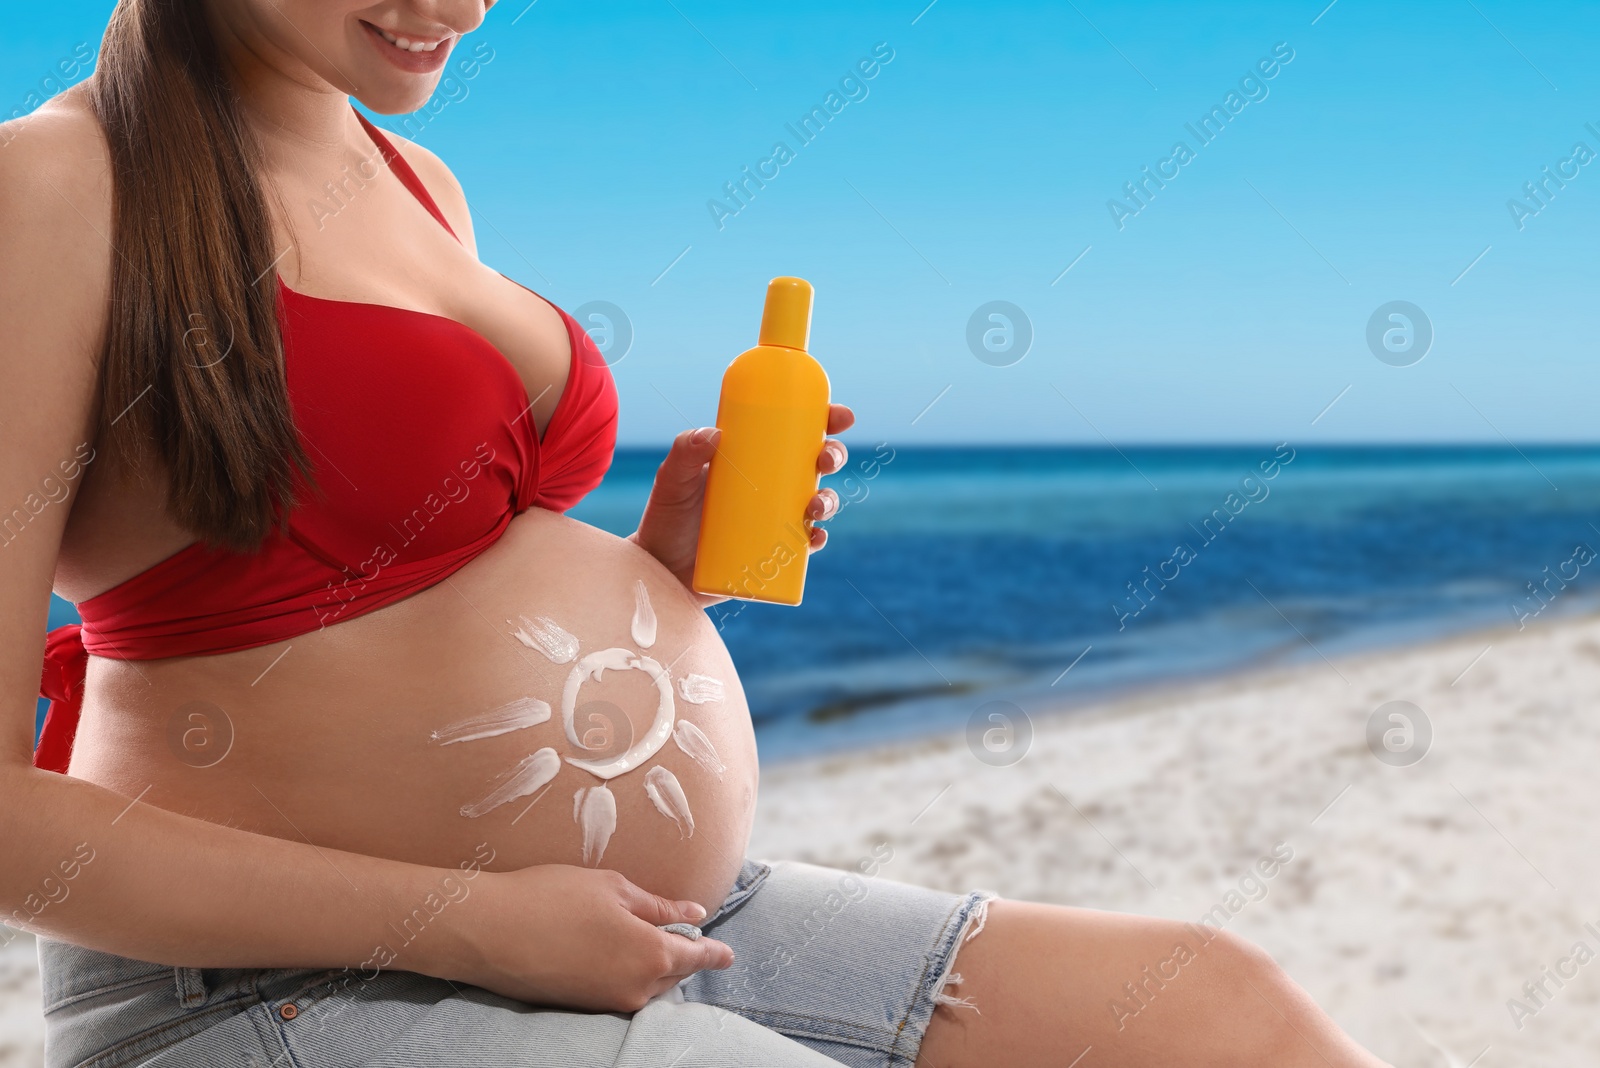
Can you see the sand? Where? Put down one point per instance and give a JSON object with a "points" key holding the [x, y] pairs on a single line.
{"points": [[1418, 901]]}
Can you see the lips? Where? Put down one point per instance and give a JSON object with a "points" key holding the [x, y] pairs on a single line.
{"points": [[414, 55]]}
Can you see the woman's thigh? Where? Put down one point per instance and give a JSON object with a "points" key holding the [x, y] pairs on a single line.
{"points": [[1056, 986]]}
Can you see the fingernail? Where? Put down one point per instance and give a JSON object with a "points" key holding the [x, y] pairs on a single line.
{"points": [[703, 435], [696, 911]]}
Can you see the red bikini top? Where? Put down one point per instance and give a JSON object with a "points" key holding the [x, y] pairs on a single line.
{"points": [[423, 448]]}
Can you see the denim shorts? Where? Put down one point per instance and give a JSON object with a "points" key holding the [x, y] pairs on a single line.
{"points": [[832, 967]]}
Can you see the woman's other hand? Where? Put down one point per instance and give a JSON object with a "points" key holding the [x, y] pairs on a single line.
{"points": [[669, 530], [577, 938]]}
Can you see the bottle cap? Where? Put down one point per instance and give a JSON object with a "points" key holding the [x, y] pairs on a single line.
{"points": [[786, 319]]}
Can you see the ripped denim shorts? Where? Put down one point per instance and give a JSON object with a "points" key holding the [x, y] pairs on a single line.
{"points": [[832, 967]]}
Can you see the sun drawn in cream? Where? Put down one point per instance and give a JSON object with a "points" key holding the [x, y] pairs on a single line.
{"points": [[594, 807]]}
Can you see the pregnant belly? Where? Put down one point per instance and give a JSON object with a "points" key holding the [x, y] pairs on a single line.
{"points": [[536, 706]]}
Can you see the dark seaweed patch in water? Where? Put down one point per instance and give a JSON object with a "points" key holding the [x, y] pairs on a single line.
{"points": [[845, 707]]}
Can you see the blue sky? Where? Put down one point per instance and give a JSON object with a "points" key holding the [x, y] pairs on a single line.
{"points": [[977, 167]]}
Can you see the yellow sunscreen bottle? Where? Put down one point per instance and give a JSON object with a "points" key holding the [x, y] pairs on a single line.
{"points": [[773, 416]]}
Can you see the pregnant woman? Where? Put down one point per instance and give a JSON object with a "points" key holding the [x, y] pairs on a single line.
{"points": [[365, 753]]}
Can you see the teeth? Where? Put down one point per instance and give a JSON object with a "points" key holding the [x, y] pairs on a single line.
{"points": [[407, 45]]}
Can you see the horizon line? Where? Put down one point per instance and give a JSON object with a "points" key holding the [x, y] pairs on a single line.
{"points": [[1237, 443]]}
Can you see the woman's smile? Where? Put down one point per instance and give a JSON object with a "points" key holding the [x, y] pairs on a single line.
{"points": [[420, 55]]}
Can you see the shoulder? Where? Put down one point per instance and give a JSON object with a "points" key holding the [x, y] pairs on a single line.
{"points": [[60, 150], [56, 204], [441, 184]]}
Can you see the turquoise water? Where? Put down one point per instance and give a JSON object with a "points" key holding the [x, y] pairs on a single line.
{"points": [[959, 576]]}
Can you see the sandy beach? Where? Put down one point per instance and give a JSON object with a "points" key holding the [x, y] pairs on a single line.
{"points": [[1418, 900]]}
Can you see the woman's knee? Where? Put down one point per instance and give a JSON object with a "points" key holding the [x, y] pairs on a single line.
{"points": [[1249, 1010]]}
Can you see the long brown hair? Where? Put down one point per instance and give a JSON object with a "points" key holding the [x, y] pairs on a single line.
{"points": [[192, 369]]}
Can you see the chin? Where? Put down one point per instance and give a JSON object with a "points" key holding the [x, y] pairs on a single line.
{"points": [[389, 92], [397, 105]]}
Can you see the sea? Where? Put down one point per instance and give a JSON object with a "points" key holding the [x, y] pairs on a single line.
{"points": [[959, 580]]}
